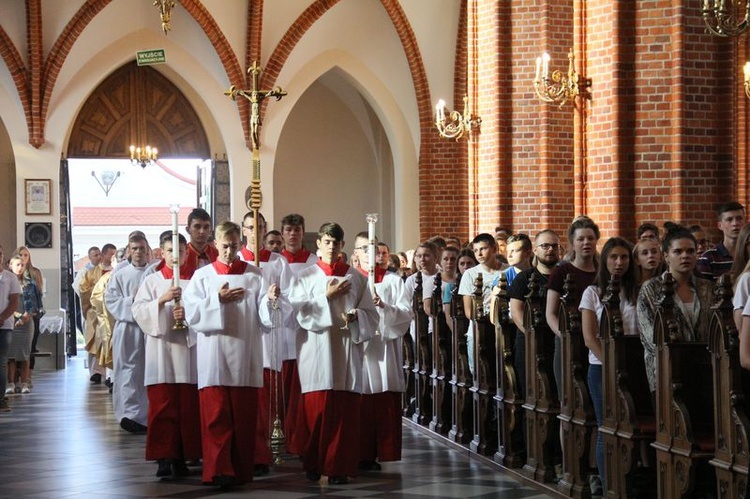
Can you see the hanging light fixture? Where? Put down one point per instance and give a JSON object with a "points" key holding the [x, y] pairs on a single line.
{"points": [[143, 156], [107, 181], [726, 17], [165, 12]]}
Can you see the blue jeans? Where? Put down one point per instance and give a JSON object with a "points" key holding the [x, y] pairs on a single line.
{"points": [[4, 346], [595, 389]]}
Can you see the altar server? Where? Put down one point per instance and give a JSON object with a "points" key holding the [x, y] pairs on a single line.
{"points": [[383, 382], [171, 374], [222, 303], [336, 311]]}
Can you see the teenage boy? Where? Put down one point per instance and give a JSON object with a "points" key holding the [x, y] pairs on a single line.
{"points": [[336, 311], [171, 375], [383, 382], [200, 252], [717, 261], [221, 304]]}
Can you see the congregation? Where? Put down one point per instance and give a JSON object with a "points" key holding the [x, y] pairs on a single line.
{"points": [[214, 363]]}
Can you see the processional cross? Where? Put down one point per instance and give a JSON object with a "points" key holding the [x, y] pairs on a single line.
{"points": [[255, 96]]}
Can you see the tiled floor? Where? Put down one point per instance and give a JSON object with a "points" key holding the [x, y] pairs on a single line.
{"points": [[62, 441]]}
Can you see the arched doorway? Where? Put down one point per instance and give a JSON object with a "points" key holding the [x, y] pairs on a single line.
{"points": [[133, 105]]}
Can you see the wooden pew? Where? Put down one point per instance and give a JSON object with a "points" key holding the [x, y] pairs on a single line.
{"points": [[441, 364], [730, 403], [483, 389], [423, 359], [461, 381], [629, 422], [577, 418], [410, 363], [508, 399], [540, 401], [684, 414]]}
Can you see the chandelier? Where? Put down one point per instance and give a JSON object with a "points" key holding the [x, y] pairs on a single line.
{"points": [[143, 156], [165, 12]]}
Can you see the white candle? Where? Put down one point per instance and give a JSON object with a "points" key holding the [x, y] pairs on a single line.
{"points": [[371, 218], [440, 108], [175, 209], [545, 65]]}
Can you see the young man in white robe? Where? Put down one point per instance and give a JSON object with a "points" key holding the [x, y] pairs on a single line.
{"points": [[383, 383], [171, 374], [276, 341], [298, 257], [128, 344], [336, 310], [221, 304]]}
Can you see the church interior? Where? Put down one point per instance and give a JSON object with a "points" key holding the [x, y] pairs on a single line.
{"points": [[445, 117]]}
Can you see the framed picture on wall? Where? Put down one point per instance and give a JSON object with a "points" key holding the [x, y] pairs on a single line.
{"points": [[38, 196]]}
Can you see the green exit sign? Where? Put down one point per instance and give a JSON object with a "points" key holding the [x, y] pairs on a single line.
{"points": [[149, 57]]}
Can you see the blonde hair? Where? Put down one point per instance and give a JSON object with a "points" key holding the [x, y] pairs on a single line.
{"points": [[226, 228]]}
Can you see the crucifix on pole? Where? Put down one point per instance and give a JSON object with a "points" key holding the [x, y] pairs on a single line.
{"points": [[256, 97]]}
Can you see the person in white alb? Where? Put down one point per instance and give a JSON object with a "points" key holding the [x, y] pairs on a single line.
{"points": [[336, 311], [383, 383], [171, 374], [221, 304]]}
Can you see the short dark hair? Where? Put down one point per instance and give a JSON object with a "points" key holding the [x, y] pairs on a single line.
{"points": [[386, 246], [198, 214], [92, 249], [251, 214], [107, 247], [166, 237], [331, 229], [695, 228], [484, 237], [524, 238], [137, 238], [728, 206], [645, 227], [293, 219], [272, 233]]}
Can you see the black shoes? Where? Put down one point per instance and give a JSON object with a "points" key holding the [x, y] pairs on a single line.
{"points": [[108, 382], [370, 466], [131, 426], [262, 469], [338, 480], [165, 468], [225, 482], [96, 378], [179, 468], [313, 476]]}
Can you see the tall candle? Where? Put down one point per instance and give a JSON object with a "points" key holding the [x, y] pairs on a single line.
{"points": [[371, 218], [175, 209]]}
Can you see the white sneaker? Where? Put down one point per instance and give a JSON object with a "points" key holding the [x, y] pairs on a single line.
{"points": [[25, 388], [10, 388]]}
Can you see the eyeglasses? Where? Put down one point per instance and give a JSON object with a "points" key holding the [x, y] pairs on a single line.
{"points": [[363, 248], [548, 246]]}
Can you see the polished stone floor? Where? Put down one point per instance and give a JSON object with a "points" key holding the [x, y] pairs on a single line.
{"points": [[62, 441]]}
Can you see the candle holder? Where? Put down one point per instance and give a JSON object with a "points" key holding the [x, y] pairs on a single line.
{"points": [[726, 18], [557, 88], [457, 124], [174, 209]]}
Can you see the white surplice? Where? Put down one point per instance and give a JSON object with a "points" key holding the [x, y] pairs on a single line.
{"points": [[329, 357], [230, 350], [383, 353], [170, 354]]}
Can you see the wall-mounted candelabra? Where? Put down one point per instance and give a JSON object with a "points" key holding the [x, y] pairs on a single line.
{"points": [[457, 124], [558, 87], [726, 17]]}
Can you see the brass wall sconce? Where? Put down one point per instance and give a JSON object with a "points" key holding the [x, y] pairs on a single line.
{"points": [[724, 17], [457, 124], [558, 87]]}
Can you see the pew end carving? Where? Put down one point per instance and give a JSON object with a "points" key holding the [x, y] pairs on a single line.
{"points": [[483, 389]]}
